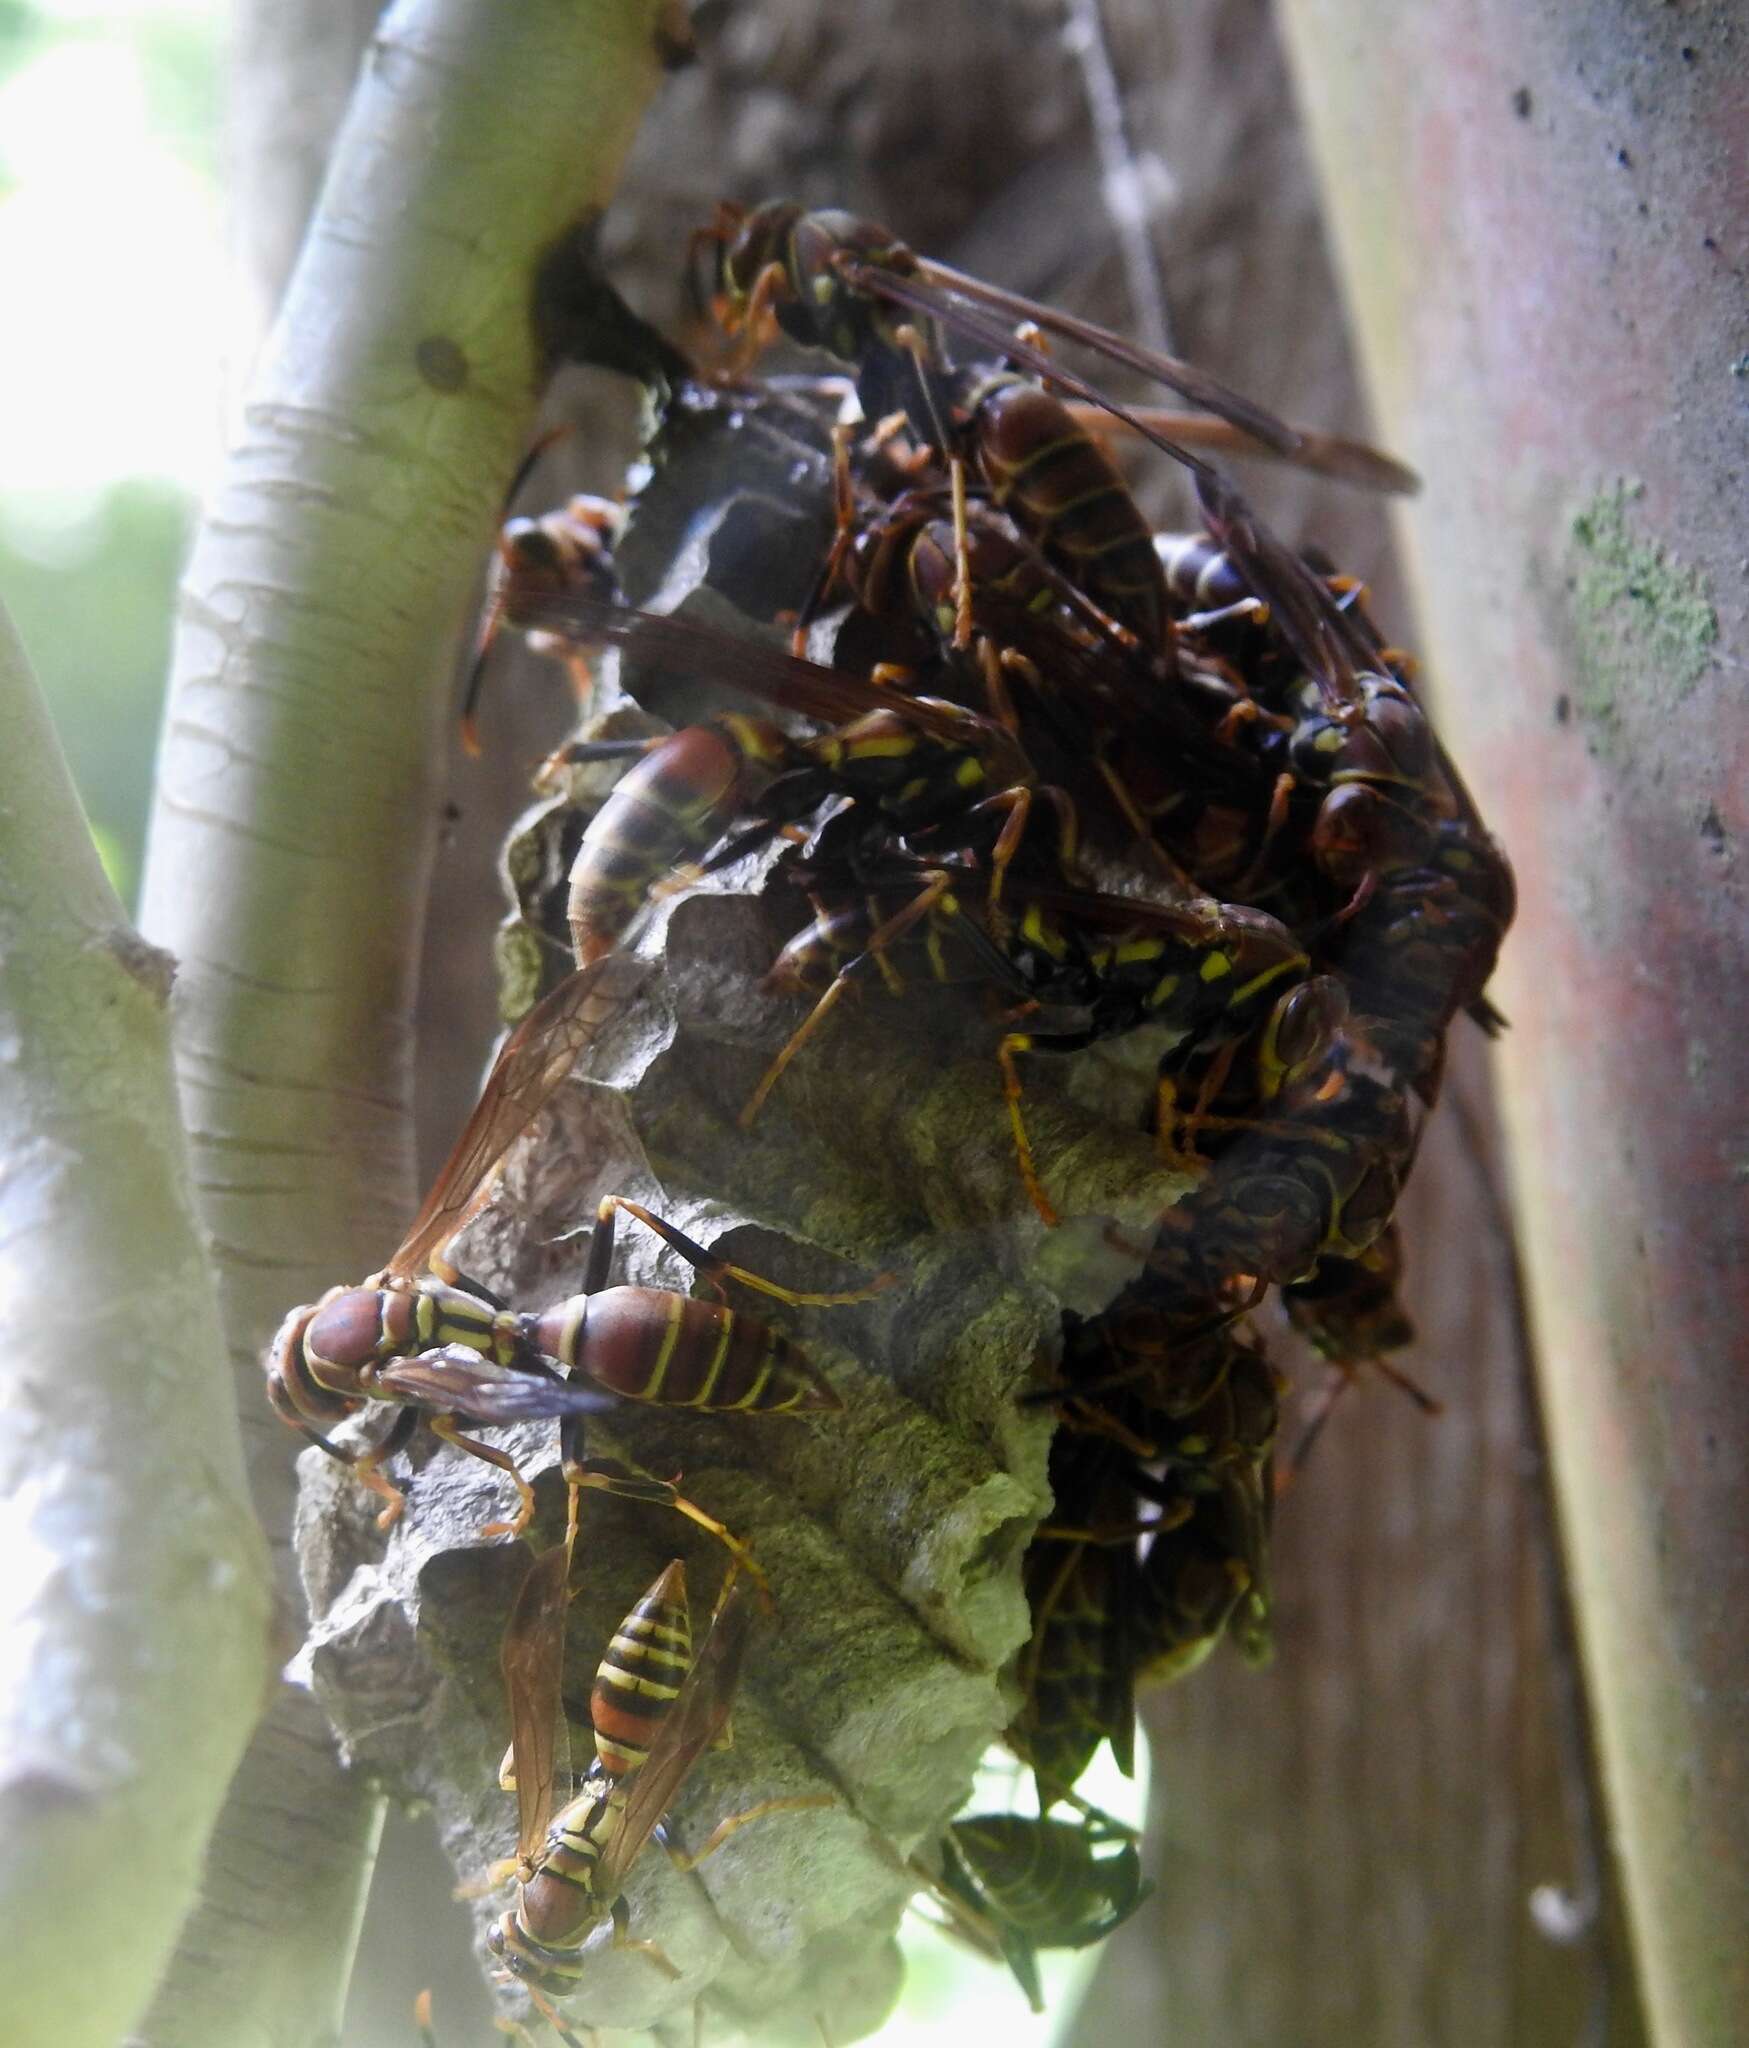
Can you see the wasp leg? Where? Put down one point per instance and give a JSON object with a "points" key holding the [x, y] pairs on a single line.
{"points": [[1110, 1534], [445, 1427], [755, 320], [550, 2013], [622, 1938], [1253, 875], [843, 536], [1013, 1095], [1134, 818], [795, 1803], [604, 1476], [716, 1270], [935, 887], [1212, 1084], [962, 556], [367, 1464]]}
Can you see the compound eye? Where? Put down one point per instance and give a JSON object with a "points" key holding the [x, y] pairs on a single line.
{"points": [[1308, 1019], [530, 550]]}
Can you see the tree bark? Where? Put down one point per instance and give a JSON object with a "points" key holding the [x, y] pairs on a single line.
{"points": [[1346, 1844], [137, 1587], [1541, 212], [295, 819]]}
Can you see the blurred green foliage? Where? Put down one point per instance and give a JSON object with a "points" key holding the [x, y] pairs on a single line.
{"points": [[91, 583], [95, 612]]}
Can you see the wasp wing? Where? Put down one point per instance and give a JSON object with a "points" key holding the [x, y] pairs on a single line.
{"points": [[1352, 461], [456, 1381], [693, 1723], [532, 1659], [534, 1059], [1331, 455], [827, 695]]}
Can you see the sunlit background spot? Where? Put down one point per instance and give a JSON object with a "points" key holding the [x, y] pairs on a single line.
{"points": [[117, 309]]}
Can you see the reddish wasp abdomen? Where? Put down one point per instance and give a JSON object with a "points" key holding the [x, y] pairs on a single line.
{"points": [[1061, 488], [297, 1396], [641, 1674], [541, 1938], [670, 807], [649, 1344]]}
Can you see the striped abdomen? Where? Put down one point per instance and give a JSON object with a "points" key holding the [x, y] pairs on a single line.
{"points": [[909, 559], [559, 1906], [1056, 482], [1198, 573], [1046, 1878], [1189, 1584], [648, 1344], [1077, 1694], [670, 807], [641, 1674]]}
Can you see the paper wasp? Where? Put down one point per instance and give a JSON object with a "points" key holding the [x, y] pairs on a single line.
{"points": [[409, 1335], [1099, 965], [655, 1708], [563, 551], [569, 549], [851, 288], [575, 1864], [1042, 1883], [442, 1348], [915, 762], [1075, 1674]]}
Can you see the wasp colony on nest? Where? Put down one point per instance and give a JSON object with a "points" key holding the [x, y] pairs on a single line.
{"points": [[972, 949]]}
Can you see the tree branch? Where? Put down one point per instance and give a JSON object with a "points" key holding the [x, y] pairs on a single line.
{"points": [[295, 819], [136, 1606]]}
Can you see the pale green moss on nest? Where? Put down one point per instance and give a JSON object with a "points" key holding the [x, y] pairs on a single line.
{"points": [[1643, 622]]}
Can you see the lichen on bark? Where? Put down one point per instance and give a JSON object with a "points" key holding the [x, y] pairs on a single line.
{"points": [[1643, 622]]}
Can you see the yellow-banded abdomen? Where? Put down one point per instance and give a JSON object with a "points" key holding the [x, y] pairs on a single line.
{"points": [[648, 1344], [542, 1937], [670, 807], [641, 1673], [1059, 486]]}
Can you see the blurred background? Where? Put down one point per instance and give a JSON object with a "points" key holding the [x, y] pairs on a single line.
{"points": [[1347, 1848], [118, 321]]}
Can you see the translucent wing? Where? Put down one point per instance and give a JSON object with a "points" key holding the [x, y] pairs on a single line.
{"points": [[1332, 455], [532, 1659], [944, 293], [1326, 639], [534, 1059], [785, 680], [692, 1725], [456, 1381]]}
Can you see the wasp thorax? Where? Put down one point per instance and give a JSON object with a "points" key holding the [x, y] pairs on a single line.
{"points": [[358, 1326]]}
